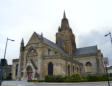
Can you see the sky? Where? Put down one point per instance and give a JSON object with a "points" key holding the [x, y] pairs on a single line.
{"points": [[90, 20]]}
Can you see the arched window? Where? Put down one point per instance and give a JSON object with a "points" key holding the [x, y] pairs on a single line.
{"points": [[88, 67], [68, 70], [50, 69], [16, 69]]}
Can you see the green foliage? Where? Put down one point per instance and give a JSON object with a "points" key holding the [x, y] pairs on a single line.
{"points": [[8, 78], [96, 77], [74, 78], [110, 78], [54, 79], [110, 74], [40, 81], [84, 78]]}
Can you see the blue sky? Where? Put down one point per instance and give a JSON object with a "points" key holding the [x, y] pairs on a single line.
{"points": [[90, 20]]}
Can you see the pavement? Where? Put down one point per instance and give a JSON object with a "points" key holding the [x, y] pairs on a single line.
{"points": [[25, 83]]}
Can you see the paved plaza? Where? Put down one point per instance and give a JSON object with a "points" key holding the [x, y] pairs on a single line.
{"points": [[24, 83]]}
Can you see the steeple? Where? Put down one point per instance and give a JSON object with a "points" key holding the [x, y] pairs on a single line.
{"points": [[22, 45], [64, 37], [64, 22], [22, 41], [64, 15]]}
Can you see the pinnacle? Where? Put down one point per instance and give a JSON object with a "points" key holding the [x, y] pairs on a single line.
{"points": [[22, 40], [64, 15]]}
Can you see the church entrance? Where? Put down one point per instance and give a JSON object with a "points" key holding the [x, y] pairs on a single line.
{"points": [[50, 69], [29, 73]]}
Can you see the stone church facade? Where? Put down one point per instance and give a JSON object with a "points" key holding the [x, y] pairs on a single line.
{"points": [[41, 57]]}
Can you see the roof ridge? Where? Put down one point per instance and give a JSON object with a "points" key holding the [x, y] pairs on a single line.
{"points": [[87, 46], [53, 44]]}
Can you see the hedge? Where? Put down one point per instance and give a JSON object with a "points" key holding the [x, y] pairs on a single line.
{"points": [[54, 79], [76, 78]]}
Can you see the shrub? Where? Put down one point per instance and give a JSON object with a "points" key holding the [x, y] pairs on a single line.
{"points": [[74, 78], [97, 77], [110, 74], [54, 78], [92, 78], [40, 81], [84, 78], [103, 77]]}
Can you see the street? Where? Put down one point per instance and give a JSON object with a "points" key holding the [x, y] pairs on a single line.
{"points": [[24, 83]]}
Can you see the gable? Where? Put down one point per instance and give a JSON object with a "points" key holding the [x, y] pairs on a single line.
{"points": [[34, 39]]}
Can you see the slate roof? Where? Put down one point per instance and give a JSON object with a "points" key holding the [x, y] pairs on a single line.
{"points": [[85, 50], [50, 43], [78, 51]]}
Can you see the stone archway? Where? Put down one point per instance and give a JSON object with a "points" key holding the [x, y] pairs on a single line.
{"points": [[29, 72]]}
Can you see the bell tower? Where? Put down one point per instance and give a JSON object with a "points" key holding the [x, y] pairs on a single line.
{"points": [[65, 37]]}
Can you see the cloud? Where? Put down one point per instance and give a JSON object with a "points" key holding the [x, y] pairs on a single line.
{"points": [[89, 21], [97, 38]]}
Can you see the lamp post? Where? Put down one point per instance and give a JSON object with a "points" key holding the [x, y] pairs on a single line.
{"points": [[3, 61], [106, 63], [6, 46], [109, 34]]}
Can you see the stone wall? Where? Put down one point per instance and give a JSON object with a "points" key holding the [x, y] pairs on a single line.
{"points": [[15, 63]]}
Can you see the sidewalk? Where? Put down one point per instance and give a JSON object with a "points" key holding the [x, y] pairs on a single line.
{"points": [[16, 83], [25, 83]]}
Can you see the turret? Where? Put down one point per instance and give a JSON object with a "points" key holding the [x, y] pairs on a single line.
{"points": [[22, 45], [21, 59]]}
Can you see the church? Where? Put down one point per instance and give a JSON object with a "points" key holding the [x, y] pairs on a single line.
{"points": [[41, 57]]}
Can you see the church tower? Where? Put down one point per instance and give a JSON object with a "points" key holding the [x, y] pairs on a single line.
{"points": [[64, 37]]}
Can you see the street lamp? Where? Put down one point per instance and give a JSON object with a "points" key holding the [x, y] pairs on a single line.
{"points": [[3, 61], [110, 36], [6, 46]]}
